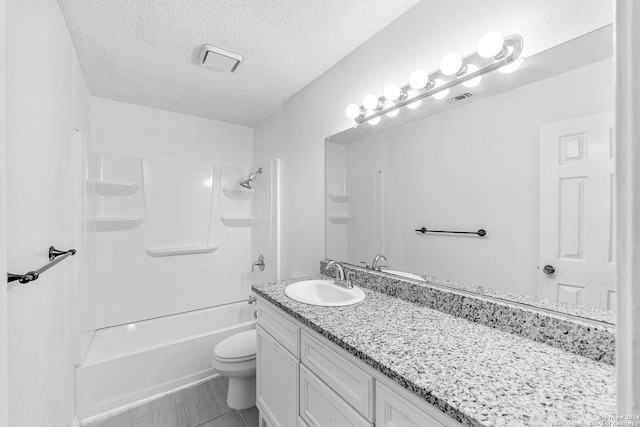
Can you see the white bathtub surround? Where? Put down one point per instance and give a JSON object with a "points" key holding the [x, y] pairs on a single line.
{"points": [[163, 152], [129, 363]]}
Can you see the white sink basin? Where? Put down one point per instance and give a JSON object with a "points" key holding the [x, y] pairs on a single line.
{"points": [[402, 274], [323, 292]]}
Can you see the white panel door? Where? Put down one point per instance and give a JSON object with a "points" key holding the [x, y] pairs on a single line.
{"points": [[577, 217], [265, 232]]}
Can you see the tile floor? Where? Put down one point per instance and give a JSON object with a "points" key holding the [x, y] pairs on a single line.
{"points": [[203, 405]]}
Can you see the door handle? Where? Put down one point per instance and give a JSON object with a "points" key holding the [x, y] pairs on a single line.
{"points": [[548, 269], [259, 264]]}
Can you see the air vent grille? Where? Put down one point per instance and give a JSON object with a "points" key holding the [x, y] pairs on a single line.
{"points": [[460, 97], [219, 59]]}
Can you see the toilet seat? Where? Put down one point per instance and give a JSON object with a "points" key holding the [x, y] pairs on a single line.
{"points": [[237, 348]]}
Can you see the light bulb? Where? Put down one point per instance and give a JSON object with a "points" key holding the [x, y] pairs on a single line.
{"points": [[353, 111], [442, 94], [375, 120], [510, 68], [490, 45], [389, 104], [392, 91], [418, 79], [451, 64], [473, 82], [370, 102], [416, 104]]}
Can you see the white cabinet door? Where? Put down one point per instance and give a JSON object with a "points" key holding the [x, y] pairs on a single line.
{"points": [[393, 410], [577, 216], [277, 381], [322, 407]]}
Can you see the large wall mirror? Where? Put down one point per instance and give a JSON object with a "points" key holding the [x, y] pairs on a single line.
{"points": [[528, 157]]}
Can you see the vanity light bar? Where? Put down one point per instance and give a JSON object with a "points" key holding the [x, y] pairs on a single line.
{"points": [[494, 52]]}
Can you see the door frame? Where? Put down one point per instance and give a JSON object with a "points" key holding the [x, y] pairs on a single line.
{"points": [[4, 328], [627, 56]]}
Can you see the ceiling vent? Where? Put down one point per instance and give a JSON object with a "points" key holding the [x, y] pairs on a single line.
{"points": [[460, 97], [219, 59]]}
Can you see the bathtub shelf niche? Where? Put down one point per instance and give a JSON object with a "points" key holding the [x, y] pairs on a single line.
{"points": [[339, 197], [339, 219], [114, 188], [237, 221], [237, 193], [114, 223], [162, 252]]}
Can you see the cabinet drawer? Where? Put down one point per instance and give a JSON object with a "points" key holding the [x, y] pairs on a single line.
{"points": [[322, 407], [393, 410], [283, 330], [349, 381], [276, 382]]}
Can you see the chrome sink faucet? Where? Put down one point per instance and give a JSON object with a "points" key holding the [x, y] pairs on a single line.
{"points": [[374, 265], [376, 260], [341, 278]]}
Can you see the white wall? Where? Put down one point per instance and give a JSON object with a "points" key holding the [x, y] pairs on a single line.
{"points": [[46, 100], [475, 166], [296, 131], [130, 285]]}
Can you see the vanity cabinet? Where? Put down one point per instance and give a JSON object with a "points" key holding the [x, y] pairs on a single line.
{"points": [[304, 380]]}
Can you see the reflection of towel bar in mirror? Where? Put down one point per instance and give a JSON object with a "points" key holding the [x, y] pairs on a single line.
{"points": [[480, 232]]}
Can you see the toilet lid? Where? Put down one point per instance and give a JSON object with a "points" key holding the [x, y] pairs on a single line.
{"points": [[241, 346]]}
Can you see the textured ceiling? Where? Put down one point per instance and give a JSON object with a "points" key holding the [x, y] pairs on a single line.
{"points": [[145, 51]]}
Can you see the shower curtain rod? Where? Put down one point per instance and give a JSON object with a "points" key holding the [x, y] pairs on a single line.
{"points": [[55, 256]]}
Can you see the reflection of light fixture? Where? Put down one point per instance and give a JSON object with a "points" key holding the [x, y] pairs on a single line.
{"points": [[374, 121], [412, 94], [475, 81], [442, 93], [494, 52], [389, 104], [511, 67]]}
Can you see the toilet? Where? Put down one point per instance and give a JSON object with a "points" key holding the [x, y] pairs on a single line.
{"points": [[235, 358]]}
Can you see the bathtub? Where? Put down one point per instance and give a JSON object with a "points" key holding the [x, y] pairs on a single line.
{"points": [[128, 364]]}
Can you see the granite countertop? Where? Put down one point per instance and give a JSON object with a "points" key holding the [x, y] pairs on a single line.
{"points": [[478, 375]]}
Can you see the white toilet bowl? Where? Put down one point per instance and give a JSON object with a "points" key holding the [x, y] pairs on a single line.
{"points": [[235, 358]]}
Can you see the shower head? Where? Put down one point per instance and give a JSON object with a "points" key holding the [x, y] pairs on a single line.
{"points": [[247, 182]]}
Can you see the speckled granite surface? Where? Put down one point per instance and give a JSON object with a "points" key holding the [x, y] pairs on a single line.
{"points": [[588, 313], [478, 375], [587, 338]]}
